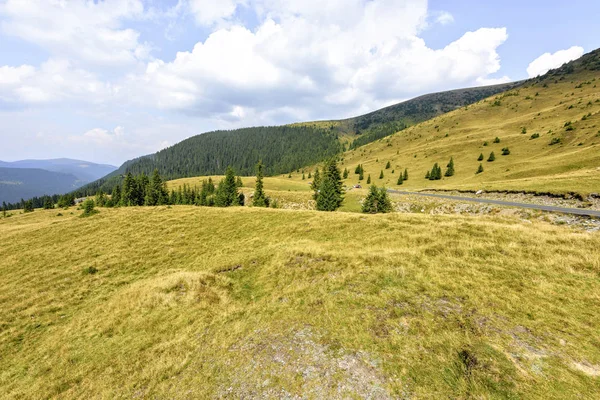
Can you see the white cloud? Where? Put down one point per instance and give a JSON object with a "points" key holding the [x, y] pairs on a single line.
{"points": [[316, 59], [53, 81], [547, 61], [444, 18], [85, 30], [209, 12]]}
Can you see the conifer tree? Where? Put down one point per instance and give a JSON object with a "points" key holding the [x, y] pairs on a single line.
{"points": [[450, 168], [4, 208], [48, 203], [480, 158], [405, 177], [259, 199], [345, 173], [505, 151], [377, 201], [492, 157], [316, 183], [27, 206], [309, 175], [480, 169], [128, 191], [100, 199], [330, 194], [357, 170], [388, 165], [428, 175], [227, 191], [381, 175], [369, 179], [361, 176], [400, 180], [239, 182], [116, 196]]}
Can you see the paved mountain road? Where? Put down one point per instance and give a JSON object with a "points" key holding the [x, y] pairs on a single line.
{"points": [[565, 210]]}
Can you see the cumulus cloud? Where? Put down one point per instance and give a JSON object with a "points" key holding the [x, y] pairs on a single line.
{"points": [[338, 56], [547, 61], [85, 30], [53, 81], [210, 12], [444, 18]]}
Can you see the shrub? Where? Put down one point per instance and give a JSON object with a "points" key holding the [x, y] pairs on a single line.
{"points": [[90, 270], [524, 131], [480, 169], [497, 140], [388, 165], [480, 158], [505, 151], [535, 136], [555, 141], [381, 175], [492, 157], [485, 144]]}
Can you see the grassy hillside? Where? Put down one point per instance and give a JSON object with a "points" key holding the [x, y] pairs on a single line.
{"points": [[551, 127], [158, 303]]}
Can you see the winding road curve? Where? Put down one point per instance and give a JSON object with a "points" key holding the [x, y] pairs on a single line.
{"points": [[564, 210]]}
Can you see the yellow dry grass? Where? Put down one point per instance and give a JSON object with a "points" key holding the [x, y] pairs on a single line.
{"points": [[192, 302]]}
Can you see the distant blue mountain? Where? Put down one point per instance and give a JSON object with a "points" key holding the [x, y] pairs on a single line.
{"points": [[84, 171], [33, 178]]}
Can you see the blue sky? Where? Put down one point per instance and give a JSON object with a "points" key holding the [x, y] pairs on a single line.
{"points": [[110, 80]]}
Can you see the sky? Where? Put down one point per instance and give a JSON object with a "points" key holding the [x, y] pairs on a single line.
{"points": [[110, 80]]}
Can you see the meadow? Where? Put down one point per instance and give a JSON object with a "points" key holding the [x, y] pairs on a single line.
{"points": [[192, 302]]}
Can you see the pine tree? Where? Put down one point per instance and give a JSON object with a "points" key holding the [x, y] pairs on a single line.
{"points": [[405, 177], [381, 175], [4, 208], [345, 173], [377, 201], [450, 168], [492, 157], [309, 175], [259, 199], [400, 180], [116, 196], [227, 191], [428, 175], [48, 203], [388, 165], [480, 169], [316, 183], [27, 206], [156, 192], [330, 194], [361, 176], [480, 158], [127, 196], [100, 199], [357, 169], [369, 179]]}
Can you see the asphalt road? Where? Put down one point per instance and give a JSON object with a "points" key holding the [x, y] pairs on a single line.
{"points": [[564, 210]]}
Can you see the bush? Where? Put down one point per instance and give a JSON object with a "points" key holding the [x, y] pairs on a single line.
{"points": [[497, 140], [535, 136], [524, 131], [480, 158], [480, 169], [90, 270], [485, 144], [505, 151], [555, 141], [492, 157]]}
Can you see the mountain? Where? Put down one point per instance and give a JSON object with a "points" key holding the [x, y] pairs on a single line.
{"points": [[550, 125], [25, 183], [84, 171], [284, 149]]}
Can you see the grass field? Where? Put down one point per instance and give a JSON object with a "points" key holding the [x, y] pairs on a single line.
{"points": [[189, 302], [573, 165]]}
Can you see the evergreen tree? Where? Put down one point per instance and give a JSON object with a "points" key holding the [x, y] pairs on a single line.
{"points": [[345, 173], [27, 206], [480, 158], [405, 177], [48, 203], [388, 165], [505, 151], [227, 191], [480, 169], [210, 186], [156, 192], [116, 195], [369, 179], [316, 183], [309, 175], [357, 169], [400, 180], [497, 140], [428, 175], [492, 157], [259, 199], [66, 200], [129, 189], [361, 175], [88, 208], [239, 182], [377, 201], [381, 175], [4, 208], [450, 167], [303, 177], [100, 199], [330, 194]]}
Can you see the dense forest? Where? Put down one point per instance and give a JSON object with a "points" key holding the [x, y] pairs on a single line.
{"points": [[283, 149]]}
